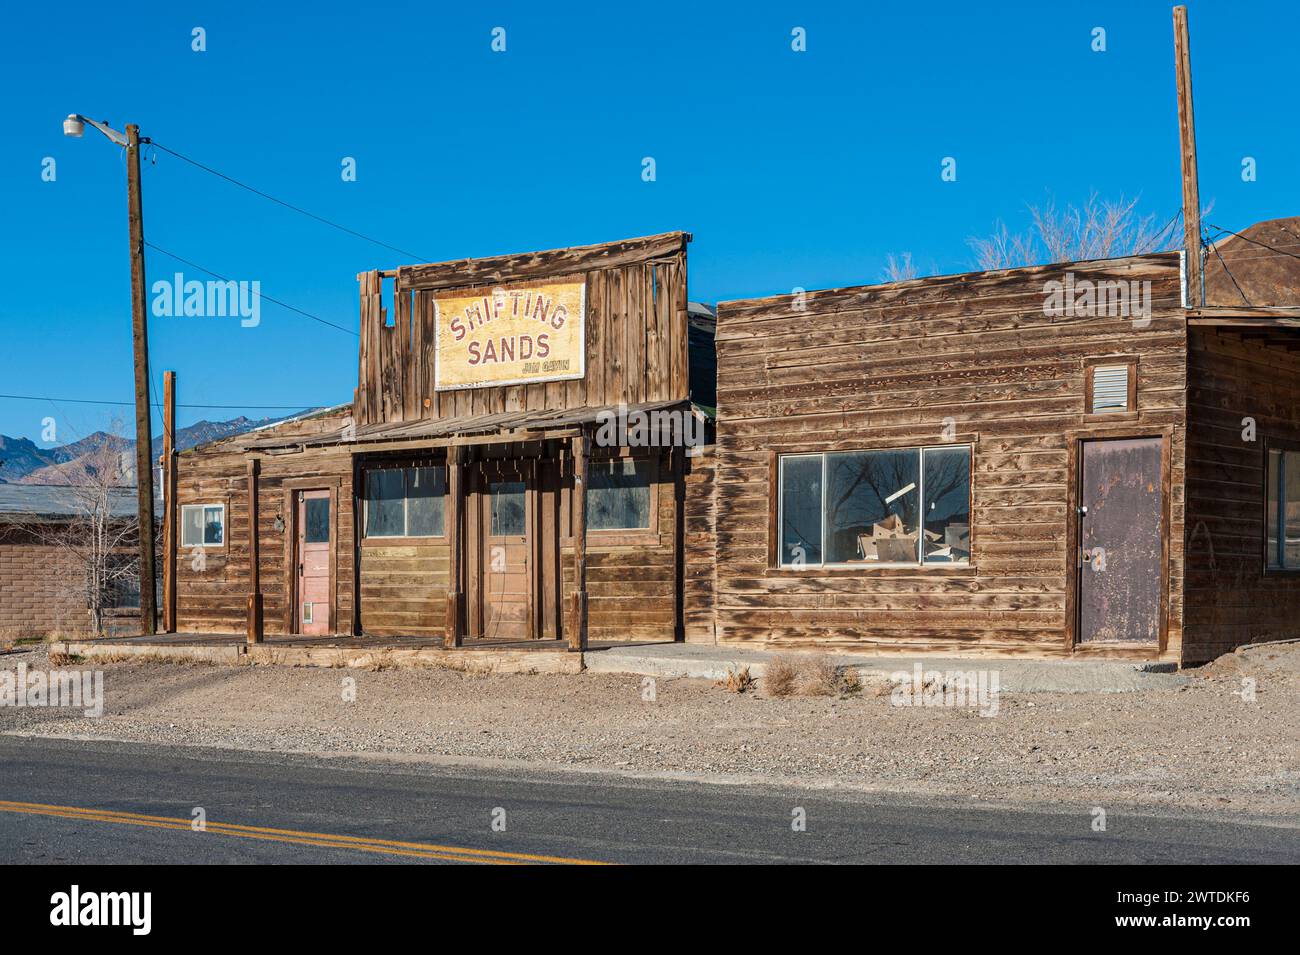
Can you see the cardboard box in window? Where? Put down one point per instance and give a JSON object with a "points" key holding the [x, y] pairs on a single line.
{"points": [[897, 549]]}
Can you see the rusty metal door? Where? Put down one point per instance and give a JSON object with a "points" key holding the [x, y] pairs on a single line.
{"points": [[1121, 566]]}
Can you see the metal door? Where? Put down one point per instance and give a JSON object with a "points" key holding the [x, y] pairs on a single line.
{"points": [[1121, 561]]}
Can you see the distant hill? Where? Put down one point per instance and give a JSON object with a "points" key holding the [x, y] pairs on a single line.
{"points": [[23, 462]]}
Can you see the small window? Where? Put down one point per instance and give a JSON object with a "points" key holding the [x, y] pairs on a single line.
{"points": [[405, 502], [618, 495], [508, 508], [1110, 388], [203, 525], [317, 530], [894, 506], [1283, 520]]}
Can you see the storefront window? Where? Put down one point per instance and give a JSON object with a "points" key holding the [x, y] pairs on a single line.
{"points": [[405, 502], [618, 495]]}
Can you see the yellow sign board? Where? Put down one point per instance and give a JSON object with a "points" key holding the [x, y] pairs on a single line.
{"points": [[510, 334]]}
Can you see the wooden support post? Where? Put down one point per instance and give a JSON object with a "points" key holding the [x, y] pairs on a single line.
{"points": [[255, 632], [578, 613], [1187, 156], [169, 502], [678, 453], [454, 634], [143, 421]]}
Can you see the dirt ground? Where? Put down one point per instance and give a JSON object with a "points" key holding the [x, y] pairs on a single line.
{"points": [[1203, 746]]}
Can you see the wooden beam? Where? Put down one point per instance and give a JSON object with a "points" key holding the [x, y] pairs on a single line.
{"points": [[255, 629], [547, 264], [454, 635], [169, 502], [578, 613], [1187, 157]]}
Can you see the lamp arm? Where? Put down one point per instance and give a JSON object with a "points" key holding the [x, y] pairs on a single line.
{"points": [[109, 131]]}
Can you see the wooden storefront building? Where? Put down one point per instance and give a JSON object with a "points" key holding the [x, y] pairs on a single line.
{"points": [[1051, 461], [1057, 461], [513, 466]]}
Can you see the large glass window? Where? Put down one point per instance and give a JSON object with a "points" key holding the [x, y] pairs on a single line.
{"points": [[618, 495], [405, 502], [894, 506], [1283, 521]]}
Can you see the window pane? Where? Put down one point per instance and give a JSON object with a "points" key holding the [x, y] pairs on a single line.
{"points": [[1271, 520], [947, 504], [507, 508], [424, 501], [385, 507], [212, 525], [872, 506], [317, 530], [801, 510], [618, 495], [1292, 515], [191, 526]]}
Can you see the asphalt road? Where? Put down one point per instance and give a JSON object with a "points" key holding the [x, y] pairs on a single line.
{"points": [[93, 802]]}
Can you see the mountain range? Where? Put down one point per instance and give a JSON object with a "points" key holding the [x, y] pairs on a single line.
{"points": [[22, 461]]}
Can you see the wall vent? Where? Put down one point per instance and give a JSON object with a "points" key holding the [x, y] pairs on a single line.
{"points": [[1110, 388]]}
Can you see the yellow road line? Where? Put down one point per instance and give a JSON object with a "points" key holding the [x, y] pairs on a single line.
{"points": [[294, 836]]}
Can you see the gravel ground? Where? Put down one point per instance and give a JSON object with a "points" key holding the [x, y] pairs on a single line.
{"points": [[1198, 747]]}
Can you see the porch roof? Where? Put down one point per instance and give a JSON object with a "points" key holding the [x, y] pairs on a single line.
{"points": [[516, 425]]}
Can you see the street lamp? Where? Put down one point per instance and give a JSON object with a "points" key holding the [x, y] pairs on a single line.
{"points": [[75, 126]]}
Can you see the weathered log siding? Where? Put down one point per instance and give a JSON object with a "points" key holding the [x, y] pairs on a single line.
{"points": [[212, 593], [1230, 601], [884, 366]]}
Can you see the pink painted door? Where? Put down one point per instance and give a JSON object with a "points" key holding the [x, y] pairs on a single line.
{"points": [[314, 562]]}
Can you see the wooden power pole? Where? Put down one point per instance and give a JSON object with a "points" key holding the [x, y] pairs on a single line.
{"points": [[1187, 152], [169, 502], [143, 424]]}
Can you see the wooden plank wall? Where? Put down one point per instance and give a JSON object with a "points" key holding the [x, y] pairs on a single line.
{"points": [[884, 366], [631, 586], [700, 541], [1229, 599], [212, 597], [637, 336]]}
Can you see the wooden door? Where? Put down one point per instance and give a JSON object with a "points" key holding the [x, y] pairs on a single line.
{"points": [[1121, 523], [315, 570], [505, 552]]}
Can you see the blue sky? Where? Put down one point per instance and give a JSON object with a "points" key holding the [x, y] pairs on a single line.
{"points": [[791, 169]]}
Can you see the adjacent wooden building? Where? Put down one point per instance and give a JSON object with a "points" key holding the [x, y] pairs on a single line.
{"points": [[1051, 461], [1061, 461]]}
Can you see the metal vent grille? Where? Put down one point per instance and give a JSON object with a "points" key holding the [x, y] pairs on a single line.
{"points": [[1110, 388]]}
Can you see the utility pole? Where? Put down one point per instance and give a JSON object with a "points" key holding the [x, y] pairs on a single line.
{"points": [[143, 424], [1187, 157], [168, 461]]}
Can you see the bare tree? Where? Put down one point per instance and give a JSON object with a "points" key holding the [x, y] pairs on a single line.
{"points": [[97, 539], [1099, 229]]}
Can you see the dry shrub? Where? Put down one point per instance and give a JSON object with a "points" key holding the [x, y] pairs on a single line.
{"points": [[819, 677], [383, 660], [737, 681], [780, 676], [59, 658]]}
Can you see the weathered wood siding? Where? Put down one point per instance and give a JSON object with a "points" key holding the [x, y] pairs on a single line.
{"points": [[212, 593], [700, 542], [404, 587], [636, 328], [632, 578], [861, 368], [1230, 601]]}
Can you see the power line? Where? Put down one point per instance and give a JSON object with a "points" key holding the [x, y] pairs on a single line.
{"points": [[287, 205], [292, 308], [131, 404], [1215, 249]]}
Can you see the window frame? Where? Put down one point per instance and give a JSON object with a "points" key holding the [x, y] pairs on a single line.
{"points": [[220, 545], [381, 540], [776, 512], [1283, 446], [617, 537]]}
